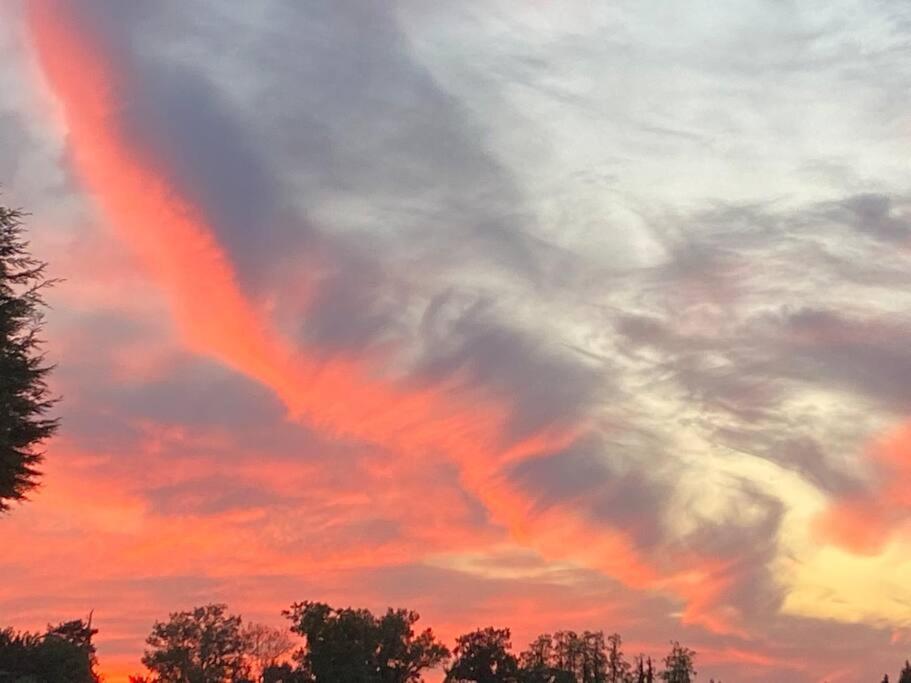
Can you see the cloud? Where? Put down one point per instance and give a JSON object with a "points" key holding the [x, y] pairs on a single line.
{"points": [[874, 215], [470, 338], [218, 320], [384, 323]]}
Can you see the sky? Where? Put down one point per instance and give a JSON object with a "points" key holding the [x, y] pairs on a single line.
{"points": [[530, 314]]}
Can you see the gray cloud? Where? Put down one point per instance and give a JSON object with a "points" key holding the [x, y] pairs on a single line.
{"points": [[862, 354], [777, 318], [472, 340], [187, 129], [321, 147], [876, 215], [587, 476], [344, 114]]}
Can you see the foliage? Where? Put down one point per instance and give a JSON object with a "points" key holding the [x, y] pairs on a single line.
{"points": [[678, 665], [483, 656], [204, 645], [208, 645], [284, 673], [566, 657], [24, 397], [64, 654], [355, 646], [536, 663]]}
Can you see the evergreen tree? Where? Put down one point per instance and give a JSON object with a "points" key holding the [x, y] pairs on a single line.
{"points": [[24, 397], [905, 675]]}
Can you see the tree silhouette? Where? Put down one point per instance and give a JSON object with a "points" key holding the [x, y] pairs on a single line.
{"points": [[79, 634], [567, 657], [64, 653], [618, 669], [483, 656], [568, 652], [678, 665], [24, 397], [264, 646], [204, 645], [208, 645], [353, 645], [595, 662], [284, 673], [645, 671], [403, 655], [539, 655], [537, 663]]}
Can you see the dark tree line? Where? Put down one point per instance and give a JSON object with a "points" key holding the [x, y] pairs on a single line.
{"points": [[330, 645], [62, 654], [24, 397], [207, 645]]}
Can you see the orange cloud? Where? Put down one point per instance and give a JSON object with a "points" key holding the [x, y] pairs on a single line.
{"points": [[340, 396], [863, 523]]}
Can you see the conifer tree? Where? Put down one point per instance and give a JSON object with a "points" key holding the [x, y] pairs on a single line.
{"points": [[24, 396]]}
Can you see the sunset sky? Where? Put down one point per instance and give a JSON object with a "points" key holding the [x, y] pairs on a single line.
{"points": [[514, 312]]}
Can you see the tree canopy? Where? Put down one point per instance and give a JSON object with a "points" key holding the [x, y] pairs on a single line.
{"points": [[353, 645], [678, 665], [483, 656], [203, 645], [209, 645], [64, 653]]}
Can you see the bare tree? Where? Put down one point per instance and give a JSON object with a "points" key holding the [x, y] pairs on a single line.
{"points": [[265, 646]]}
